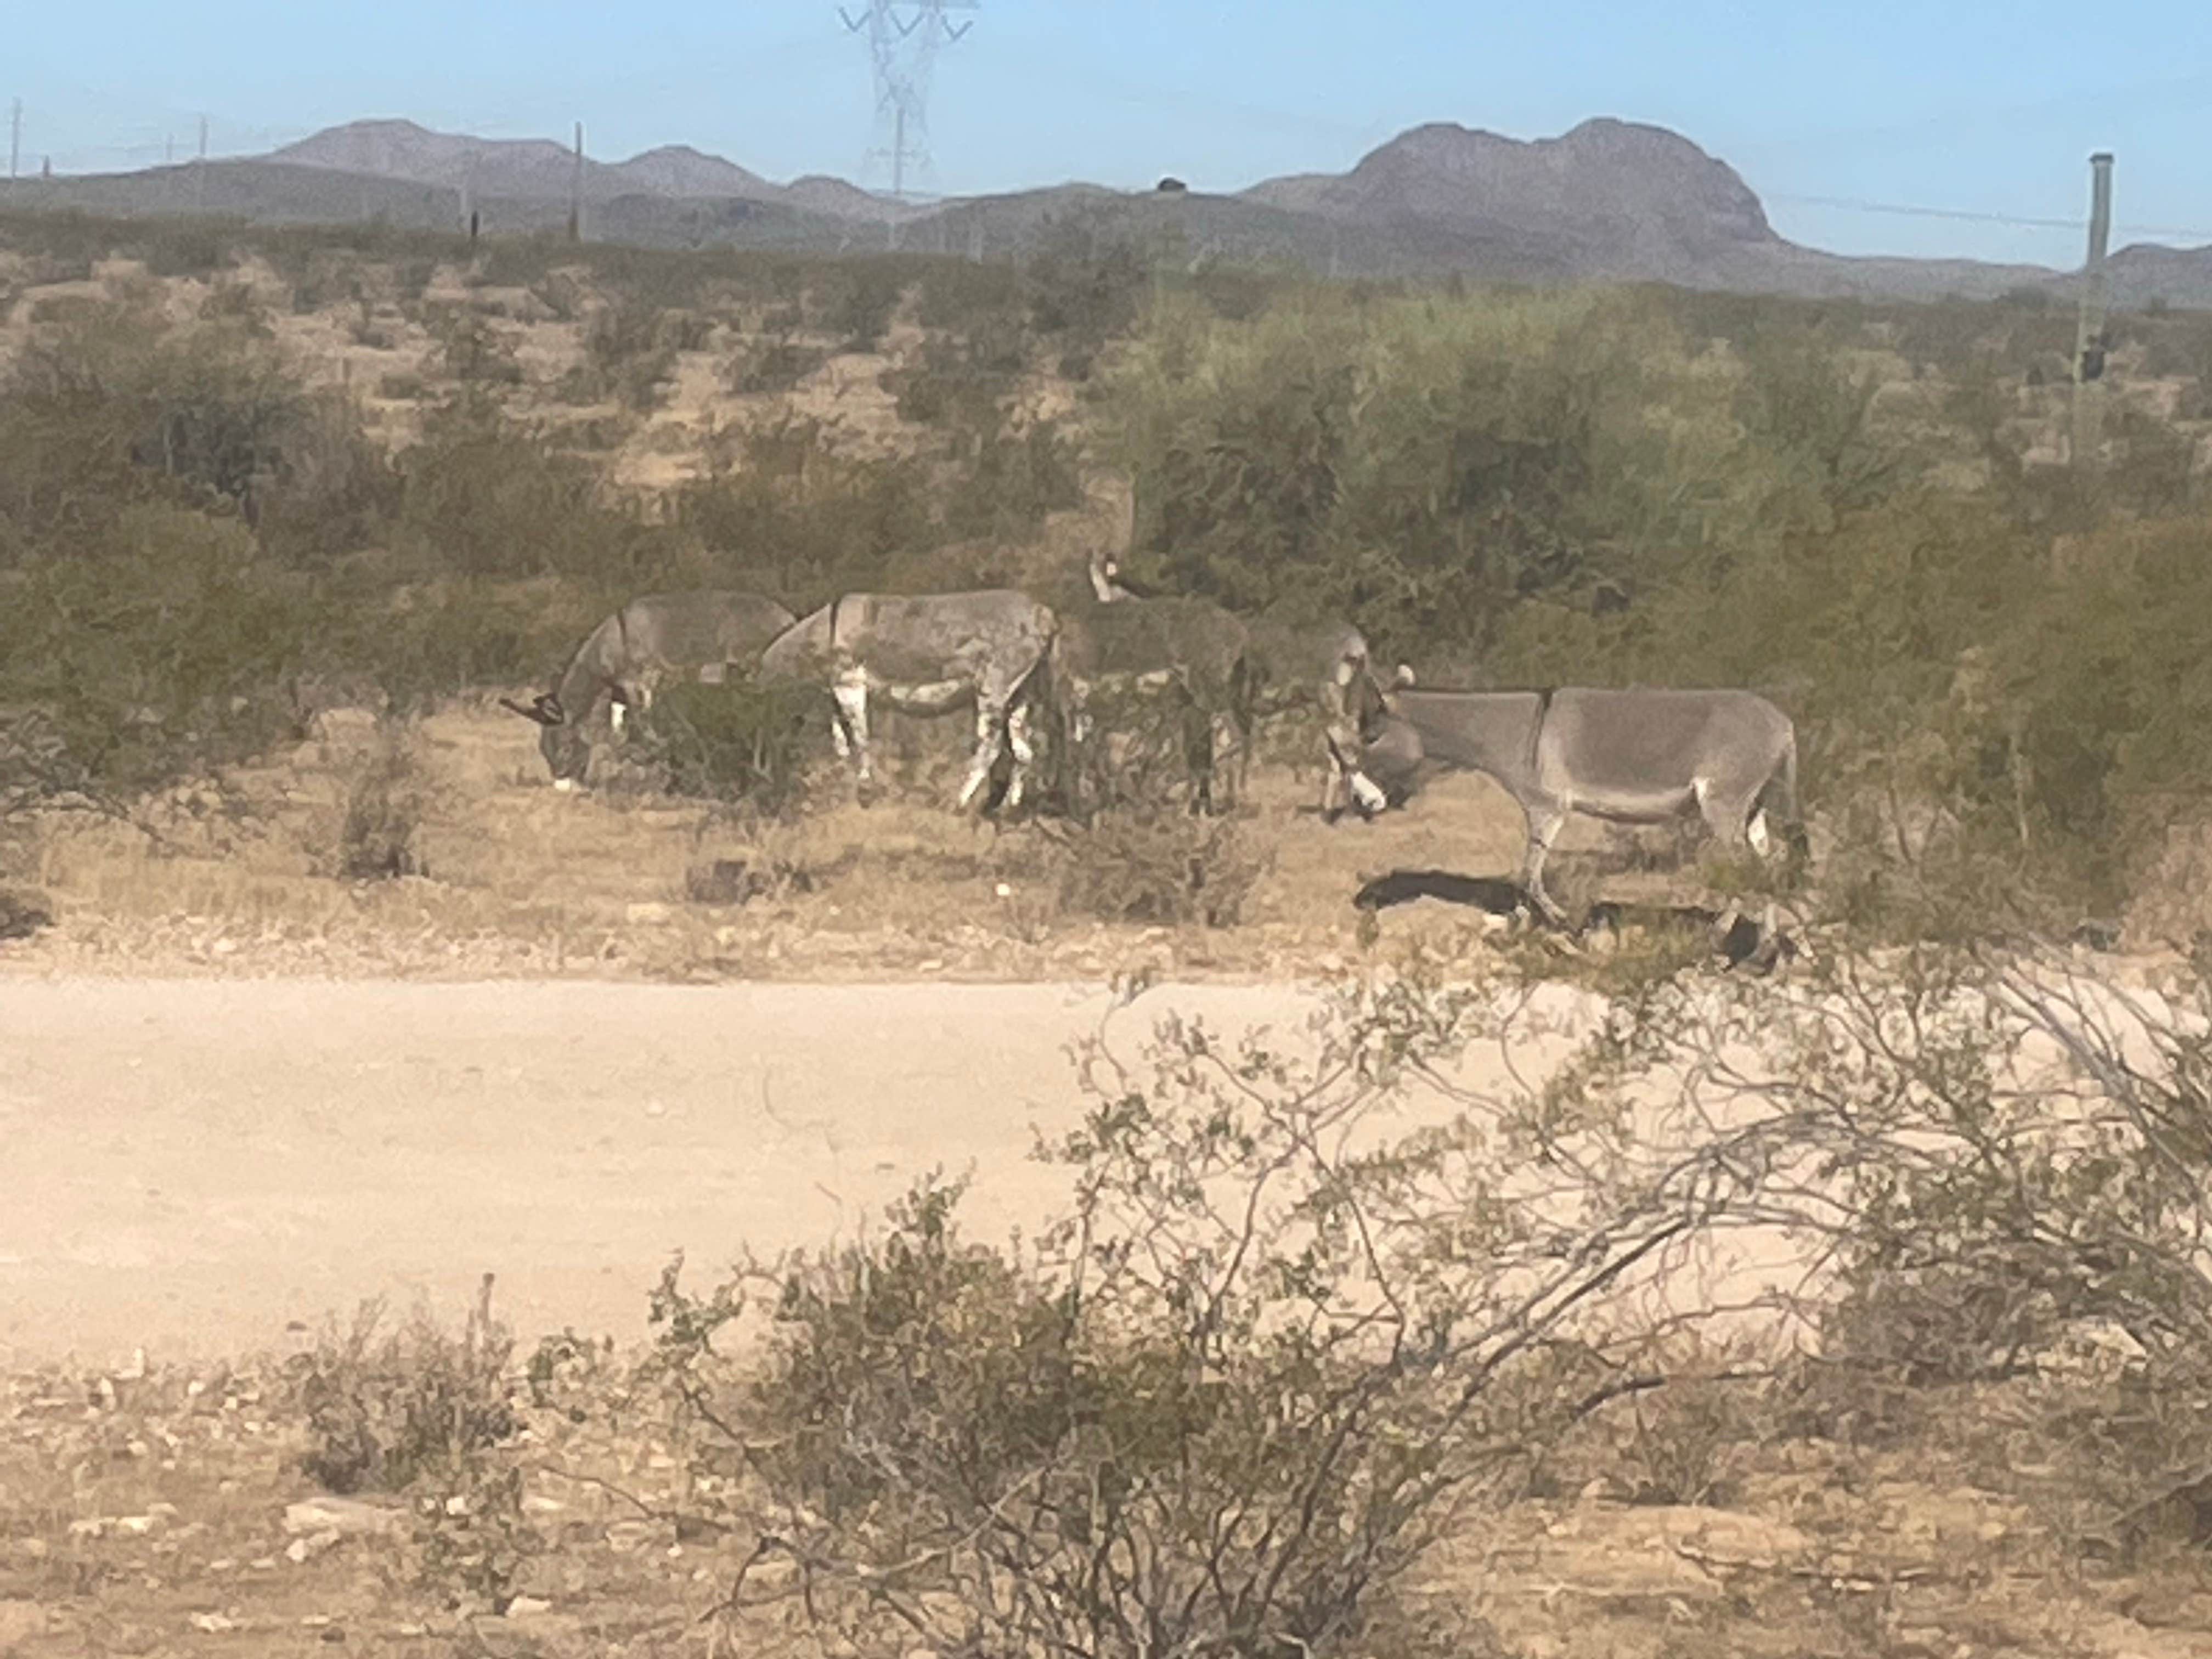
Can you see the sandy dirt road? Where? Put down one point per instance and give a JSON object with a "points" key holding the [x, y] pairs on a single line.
{"points": [[203, 1167]]}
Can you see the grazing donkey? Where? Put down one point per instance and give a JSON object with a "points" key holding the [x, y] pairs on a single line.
{"points": [[1638, 755], [623, 661], [1288, 663], [1190, 650], [926, 655]]}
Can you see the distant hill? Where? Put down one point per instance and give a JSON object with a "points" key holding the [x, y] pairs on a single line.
{"points": [[1609, 201], [538, 169]]}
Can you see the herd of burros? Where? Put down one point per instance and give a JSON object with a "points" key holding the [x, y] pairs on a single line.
{"points": [[1640, 755]]}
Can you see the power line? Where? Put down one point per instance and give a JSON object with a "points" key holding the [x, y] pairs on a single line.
{"points": [[1858, 205]]}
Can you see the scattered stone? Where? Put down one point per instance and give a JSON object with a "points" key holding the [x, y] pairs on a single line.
{"points": [[524, 1606], [303, 1549], [213, 1623], [647, 913], [126, 1526], [348, 1515]]}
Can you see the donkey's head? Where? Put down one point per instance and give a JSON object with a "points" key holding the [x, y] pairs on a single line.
{"points": [[567, 751]]}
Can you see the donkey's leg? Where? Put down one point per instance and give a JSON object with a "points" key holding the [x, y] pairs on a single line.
{"points": [[992, 713], [1199, 751], [1017, 739], [1737, 819], [1545, 818], [1075, 756], [850, 689]]}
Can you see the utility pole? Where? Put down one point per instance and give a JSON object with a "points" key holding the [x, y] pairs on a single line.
{"points": [[903, 38], [2088, 446], [576, 191], [199, 173], [14, 137]]}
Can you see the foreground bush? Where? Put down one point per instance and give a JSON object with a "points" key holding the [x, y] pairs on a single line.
{"points": [[1219, 1409]]}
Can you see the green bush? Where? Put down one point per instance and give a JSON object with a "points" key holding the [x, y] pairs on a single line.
{"points": [[739, 742], [155, 651], [808, 518]]}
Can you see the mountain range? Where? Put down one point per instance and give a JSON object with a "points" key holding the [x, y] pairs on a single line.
{"points": [[1608, 200]]}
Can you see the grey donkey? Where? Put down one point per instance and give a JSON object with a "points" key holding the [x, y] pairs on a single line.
{"points": [[620, 662], [1189, 650], [926, 655], [1638, 755]]}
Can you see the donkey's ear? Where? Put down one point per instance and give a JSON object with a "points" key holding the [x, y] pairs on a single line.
{"points": [[531, 714], [549, 710]]}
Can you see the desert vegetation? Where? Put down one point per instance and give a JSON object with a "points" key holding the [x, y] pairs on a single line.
{"points": [[1860, 1309], [1742, 1322], [256, 473]]}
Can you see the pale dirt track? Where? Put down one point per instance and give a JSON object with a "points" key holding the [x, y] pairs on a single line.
{"points": [[195, 1166]]}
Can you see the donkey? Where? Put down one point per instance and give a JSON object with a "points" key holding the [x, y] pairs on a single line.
{"points": [[1288, 663], [926, 655], [1189, 649], [623, 661], [1640, 755], [1326, 665]]}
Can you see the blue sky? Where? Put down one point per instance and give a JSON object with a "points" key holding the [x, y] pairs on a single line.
{"points": [[1971, 105]]}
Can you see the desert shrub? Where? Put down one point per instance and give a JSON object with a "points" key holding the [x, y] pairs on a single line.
{"points": [[1082, 284], [422, 642], [1220, 1408], [856, 300], [383, 1408], [432, 1415], [739, 742], [1996, 1156], [1424, 464], [813, 517], [1150, 863], [237, 303], [627, 354], [771, 361], [958, 296], [334, 488], [184, 248], [115, 405], [388, 795], [156, 650], [483, 495], [472, 350], [1010, 480]]}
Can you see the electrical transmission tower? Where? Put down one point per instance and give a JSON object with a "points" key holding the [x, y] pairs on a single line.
{"points": [[902, 41]]}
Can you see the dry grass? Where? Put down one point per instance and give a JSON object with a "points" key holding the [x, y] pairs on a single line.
{"points": [[526, 880], [147, 1512]]}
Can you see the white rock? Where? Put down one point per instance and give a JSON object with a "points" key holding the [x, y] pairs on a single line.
{"points": [[342, 1515]]}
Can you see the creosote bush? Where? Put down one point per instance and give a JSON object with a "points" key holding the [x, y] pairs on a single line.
{"points": [[385, 1408], [1155, 864], [739, 742], [1219, 1407], [388, 796]]}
